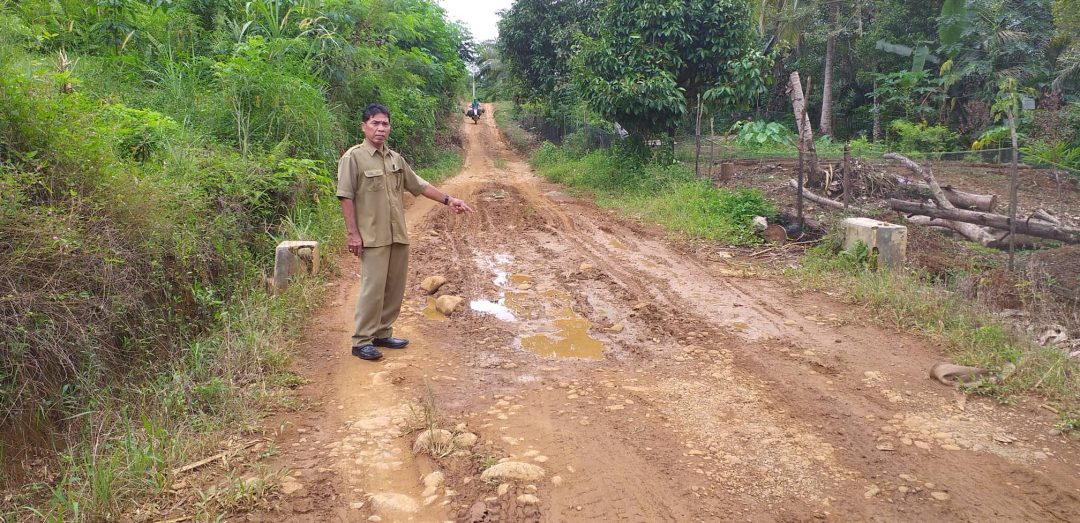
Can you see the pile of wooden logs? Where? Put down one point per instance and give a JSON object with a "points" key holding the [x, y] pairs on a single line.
{"points": [[968, 214], [972, 216]]}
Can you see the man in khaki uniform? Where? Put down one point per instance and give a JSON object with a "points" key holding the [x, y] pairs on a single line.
{"points": [[370, 180]]}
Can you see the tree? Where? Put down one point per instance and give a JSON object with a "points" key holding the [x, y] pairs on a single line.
{"points": [[648, 59], [535, 42], [827, 84], [492, 77]]}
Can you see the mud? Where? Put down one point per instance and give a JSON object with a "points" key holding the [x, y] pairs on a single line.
{"points": [[681, 388]]}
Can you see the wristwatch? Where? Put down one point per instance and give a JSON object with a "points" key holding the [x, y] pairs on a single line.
{"points": [[446, 199]]}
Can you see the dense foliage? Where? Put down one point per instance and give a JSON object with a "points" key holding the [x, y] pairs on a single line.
{"points": [[650, 59], [151, 155], [924, 64]]}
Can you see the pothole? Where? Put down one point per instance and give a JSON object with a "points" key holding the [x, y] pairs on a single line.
{"points": [[548, 324]]}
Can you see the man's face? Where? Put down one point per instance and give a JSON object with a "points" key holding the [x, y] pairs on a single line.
{"points": [[377, 129]]}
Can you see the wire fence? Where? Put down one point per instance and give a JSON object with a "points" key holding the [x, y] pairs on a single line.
{"points": [[709, 151], [1040, 185]]}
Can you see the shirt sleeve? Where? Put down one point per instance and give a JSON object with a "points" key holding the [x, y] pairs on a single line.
{"points": [[413, 182], [346, 177]]}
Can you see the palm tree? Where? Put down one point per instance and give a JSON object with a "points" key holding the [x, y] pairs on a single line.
{"points": [[830, 51]]}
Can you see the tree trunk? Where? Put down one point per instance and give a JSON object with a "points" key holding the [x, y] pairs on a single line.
{"points": [[826, 85], [975, 233], [828, 202], [964, 200], [877, 117], [985, 236], [1037, 228], [935, 189], [806, 134]]}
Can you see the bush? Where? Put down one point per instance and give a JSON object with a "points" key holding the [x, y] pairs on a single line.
{"points": [[920, 137], [1057, 155], [272, 98], [762, 134], [139, 132]]}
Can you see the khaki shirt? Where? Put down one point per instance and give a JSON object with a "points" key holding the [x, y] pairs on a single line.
{"points": [[373, 180]]}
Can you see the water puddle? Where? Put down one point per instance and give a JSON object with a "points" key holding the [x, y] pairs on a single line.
{"points": [[518, 279], [548, 324], [572, 340], [497, 309]]}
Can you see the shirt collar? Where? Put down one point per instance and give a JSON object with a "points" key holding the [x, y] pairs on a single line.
{"points": [[370, 148]]}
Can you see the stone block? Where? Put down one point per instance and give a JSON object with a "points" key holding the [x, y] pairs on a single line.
{"points": [[888, 241], [292, 258]]}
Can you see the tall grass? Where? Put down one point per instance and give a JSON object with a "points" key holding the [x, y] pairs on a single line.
{"points": [[966, 332], [506, 115], [446, 164], [665, 194]]}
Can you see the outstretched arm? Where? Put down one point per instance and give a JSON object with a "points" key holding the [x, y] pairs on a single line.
{"points": [[456, 205]]}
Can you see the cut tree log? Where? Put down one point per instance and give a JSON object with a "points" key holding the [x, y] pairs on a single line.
{"points": [[985, 236], [1037, 228], [976, 233], [828, 202], [935, 189], [1044, 215], [806, 133], [964, 200]]}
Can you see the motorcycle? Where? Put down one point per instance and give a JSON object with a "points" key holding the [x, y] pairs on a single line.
{"points": [[474, 114]]}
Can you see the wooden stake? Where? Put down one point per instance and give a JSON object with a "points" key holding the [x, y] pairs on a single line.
{"points": [[798, 191], [712, 145], [1013, 182], [697, 140], [847, 174]]}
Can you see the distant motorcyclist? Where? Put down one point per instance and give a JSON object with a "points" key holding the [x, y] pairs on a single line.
{"points": [[475, 106]]}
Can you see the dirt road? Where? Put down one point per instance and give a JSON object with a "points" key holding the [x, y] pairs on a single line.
{"points": [[627, 380]]}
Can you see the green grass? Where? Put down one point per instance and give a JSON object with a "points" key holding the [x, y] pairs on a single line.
{"points": [[505, 115], [668, 195], [136, 434], [447, 163], [967, 333]]}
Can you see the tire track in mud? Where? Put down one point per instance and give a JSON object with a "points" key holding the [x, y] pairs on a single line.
{"points": [[719, 396]]}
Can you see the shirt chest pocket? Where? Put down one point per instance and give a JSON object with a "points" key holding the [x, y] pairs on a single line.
{"points": [[397, 175], [375, 180]]}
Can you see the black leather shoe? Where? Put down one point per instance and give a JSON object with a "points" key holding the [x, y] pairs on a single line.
{"points": [[367, 352], [391, 343]]}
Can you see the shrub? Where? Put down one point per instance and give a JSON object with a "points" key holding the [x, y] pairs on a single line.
{"points": [[920, 137], [662, 192], [139, 132], [1054, 154], [272, 97], [761, 134]]}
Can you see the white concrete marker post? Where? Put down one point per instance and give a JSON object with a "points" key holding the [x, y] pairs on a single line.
{"points": [[292, 258], [888, 240]]}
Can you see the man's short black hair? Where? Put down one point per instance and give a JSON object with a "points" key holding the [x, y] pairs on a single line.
{"points": [[374, 109]]}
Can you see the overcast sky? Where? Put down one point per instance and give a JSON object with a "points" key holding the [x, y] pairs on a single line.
{"points": [[478, 15]]}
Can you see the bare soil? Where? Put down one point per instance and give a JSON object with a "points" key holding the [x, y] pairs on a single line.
{"points": [[648, 383]]}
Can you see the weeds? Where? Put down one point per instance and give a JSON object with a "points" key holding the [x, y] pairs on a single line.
{"points": [[1069, 422], [447, 163], [505, 118], [665, 194], [966, 332], [435, 441]]}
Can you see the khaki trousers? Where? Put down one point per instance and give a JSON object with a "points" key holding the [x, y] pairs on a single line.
{"points": [[382, 286]]}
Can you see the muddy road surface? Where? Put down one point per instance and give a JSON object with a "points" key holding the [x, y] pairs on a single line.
{"points": [[598, 372]]}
